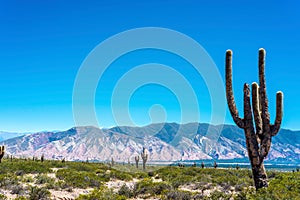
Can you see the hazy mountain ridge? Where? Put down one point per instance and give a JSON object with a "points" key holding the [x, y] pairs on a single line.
{"points": [[165, 142], [7, 135]]}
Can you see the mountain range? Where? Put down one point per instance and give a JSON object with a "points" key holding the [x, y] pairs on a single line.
{"points": [[164, 142]]}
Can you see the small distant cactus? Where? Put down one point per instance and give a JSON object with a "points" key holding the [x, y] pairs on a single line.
{"points": [[202, 165], [2, 151], [194, 164], [237, 167], [42, 158], [112, 162], [215, 164], [63, 160], [144, 156], [137, 159]]}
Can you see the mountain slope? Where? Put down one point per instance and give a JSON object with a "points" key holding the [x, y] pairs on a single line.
{"points": [[165, 142]]}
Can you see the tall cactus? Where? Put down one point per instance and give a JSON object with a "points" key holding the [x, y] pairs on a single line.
{"points": [[2, 151], [137, 159], [144, 156], [258, 140]]}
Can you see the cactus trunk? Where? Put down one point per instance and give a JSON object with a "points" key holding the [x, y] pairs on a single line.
{"points": [[258, 139]]}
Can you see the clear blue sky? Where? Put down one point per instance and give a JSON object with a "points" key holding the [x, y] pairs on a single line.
{"points": [[43, 43]]}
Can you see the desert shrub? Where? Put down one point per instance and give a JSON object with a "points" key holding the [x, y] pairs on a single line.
{"points": [[37, 193], [3, 197], [17, 189], [198, 197], [61, 185], [181, 180], [125, 191], [100, 171], [218, 195], [202, 186], [27, 179], [78, 166], [240, 187], [190, 171], [56, 164], [120, 175], [245, 194], [177, 176], [271, 174], [151, 173], [20, 198], [102, 193], [19, 173], [81, 179], [146, 186], [7, 181], [43, 178], [140, 175], [178, 195]]}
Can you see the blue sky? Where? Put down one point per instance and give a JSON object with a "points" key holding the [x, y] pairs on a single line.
{"points": [[43, 44]]}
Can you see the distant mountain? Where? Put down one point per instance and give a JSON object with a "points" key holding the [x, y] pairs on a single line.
{"points": [[7, 135], [165, 142]]}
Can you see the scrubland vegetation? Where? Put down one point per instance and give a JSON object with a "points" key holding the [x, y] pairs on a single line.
{"points": [[27, 179]]}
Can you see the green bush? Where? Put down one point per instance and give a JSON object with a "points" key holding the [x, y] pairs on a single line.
{"points": [[125, 191], [17, 189], [146, 186], [178, 195], [20, 198], [120, 175], [43, 178], [102, 193], [3, 197], [37, 193], [80, 179], [218, 195]]}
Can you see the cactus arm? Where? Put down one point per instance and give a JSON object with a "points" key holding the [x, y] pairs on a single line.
{"points": [[265, 115], [256, 109], [263, 99], [247, 107], [229, 91], [279, 113]]}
